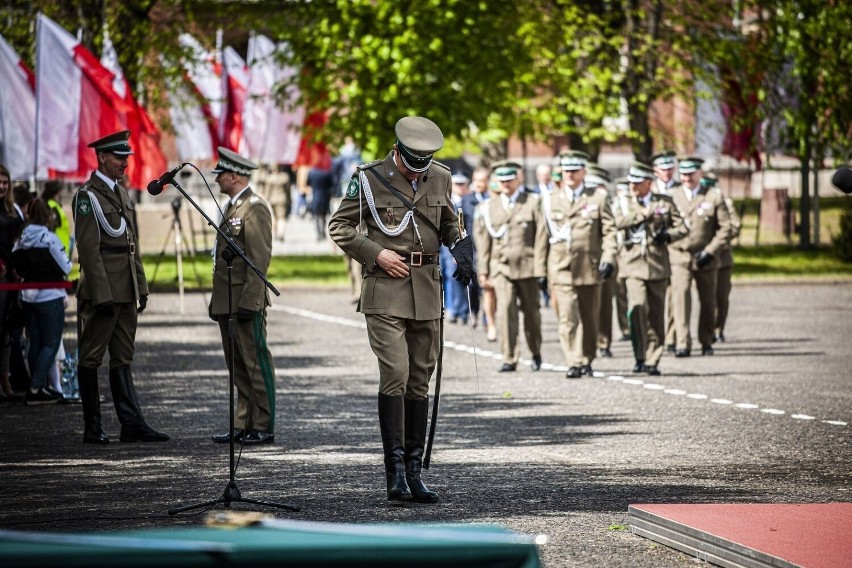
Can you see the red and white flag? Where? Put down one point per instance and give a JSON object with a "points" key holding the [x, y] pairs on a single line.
{"points": [[75, 103], [148, 161], [17, 113], [235, 89], [271, 128]]}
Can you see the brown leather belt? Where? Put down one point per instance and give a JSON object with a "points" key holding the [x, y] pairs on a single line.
{"points": [[419, 258]]}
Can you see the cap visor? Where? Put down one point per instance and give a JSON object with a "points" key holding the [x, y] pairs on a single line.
{"points": [[635, 179]]}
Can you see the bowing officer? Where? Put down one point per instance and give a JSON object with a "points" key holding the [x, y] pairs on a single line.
{"points": [[395, 214], [582, 254], [696, 257], [511, 244], [649, 221], [112, 284], [248, 219]]}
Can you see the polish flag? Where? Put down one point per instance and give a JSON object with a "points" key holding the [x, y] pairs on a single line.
{"points": [[17, 113], [235, 78], [75, 103], [196, 102], [148, 161], [313, 152], [271, 128]]}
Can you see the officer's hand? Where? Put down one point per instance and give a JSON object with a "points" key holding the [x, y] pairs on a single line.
{"points": [[107, 309], [391, 263], [143, 303], [703, 258], [244, 315], [662, 236], [542, 284], [462, 251], [605, 270]]}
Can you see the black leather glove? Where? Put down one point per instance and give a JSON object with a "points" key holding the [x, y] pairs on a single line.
{"points": [[605, 270], [244, 315], [107, 309], [542, 284], [462, 251], [143, 303], [703, 258], [662, 236]]}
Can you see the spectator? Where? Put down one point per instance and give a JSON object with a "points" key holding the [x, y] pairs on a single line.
{"points": [[11, 223]]}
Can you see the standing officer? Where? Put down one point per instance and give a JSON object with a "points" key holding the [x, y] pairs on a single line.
{"points": [[696, 258], [394, 216], [649, 221], [112, 282], [511, 244], [726, 265], [582, 253], [248, 219]]}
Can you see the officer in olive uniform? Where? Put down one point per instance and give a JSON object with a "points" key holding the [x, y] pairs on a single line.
{"points": [[582, 254], [112, 283], [696, 257], [511, 242], [726, 265], [664, 164], [597, 177], [394, 216], [622, 194], [248, 219], [649, 221]]}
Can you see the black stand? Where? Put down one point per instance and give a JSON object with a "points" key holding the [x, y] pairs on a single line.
{"points": [[180, 237], [232, 492]]}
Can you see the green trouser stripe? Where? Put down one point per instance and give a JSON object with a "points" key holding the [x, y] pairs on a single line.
{"points": [[267, 373], [634, 336]]}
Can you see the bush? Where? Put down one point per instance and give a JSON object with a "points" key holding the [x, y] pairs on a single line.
{"points": [[843, 240]]}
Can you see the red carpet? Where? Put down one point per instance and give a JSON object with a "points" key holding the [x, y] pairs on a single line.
{"points": [[808, 535]]}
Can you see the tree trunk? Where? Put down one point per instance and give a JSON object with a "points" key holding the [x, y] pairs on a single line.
{"points": [[805, 199]]}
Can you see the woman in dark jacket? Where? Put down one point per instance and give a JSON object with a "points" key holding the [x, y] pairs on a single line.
{"points": [[11, 225]]}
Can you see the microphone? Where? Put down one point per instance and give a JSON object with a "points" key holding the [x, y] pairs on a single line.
{"points": [[155, 187], [842, 179]]}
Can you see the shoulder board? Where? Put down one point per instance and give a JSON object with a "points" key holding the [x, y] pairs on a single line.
{"points": [[369, 165], [437, 163], [254, 199]]}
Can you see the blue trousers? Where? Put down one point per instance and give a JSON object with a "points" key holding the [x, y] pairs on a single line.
{"points": [[45, 321]]}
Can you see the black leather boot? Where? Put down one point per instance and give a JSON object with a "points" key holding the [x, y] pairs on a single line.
{"points": [[133, 426], [391, 423], [416, 423], [87, 379]]}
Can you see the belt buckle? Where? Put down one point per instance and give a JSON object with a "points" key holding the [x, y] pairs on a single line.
{"points": [[132, 248], [419, 259]]}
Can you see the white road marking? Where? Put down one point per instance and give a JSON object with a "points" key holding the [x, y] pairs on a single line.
{"points": [[348, 322]]}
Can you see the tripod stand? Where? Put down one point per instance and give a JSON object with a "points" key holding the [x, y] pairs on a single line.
{"points": [[179, 238], [232, 492]]}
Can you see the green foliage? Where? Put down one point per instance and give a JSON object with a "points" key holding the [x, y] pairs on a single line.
{"points": [[785, 261], [843, 240]]}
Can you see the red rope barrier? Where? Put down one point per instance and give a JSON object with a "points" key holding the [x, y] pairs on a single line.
{"points": [[34, 285]]}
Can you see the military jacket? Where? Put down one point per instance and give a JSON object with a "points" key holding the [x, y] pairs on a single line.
{"points": [[659, 187], [726, 256], [110, 266], [582, 235], [641, 257], [356, 227], [249, 222], [511, 243], [709, 224]]}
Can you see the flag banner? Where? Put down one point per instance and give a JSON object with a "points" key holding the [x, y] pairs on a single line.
{"points": [[17, 113], [235, 89]]}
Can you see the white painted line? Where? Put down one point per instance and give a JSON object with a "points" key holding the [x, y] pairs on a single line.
{"points": [[834, 422], [802, 417], [653, 386], [772, 411], [746, 405], [634, 382], [721, 401], [547, 366], [697, 396], [615, 378], [677, 392], [598, 374]]}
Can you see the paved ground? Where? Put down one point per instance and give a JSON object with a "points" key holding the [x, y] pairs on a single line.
{"points": [[767, 419]]}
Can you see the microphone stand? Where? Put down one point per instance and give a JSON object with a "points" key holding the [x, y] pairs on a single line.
{"points": [[232, 492]]}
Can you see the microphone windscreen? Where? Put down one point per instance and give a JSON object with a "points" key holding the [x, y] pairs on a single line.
{"points": [[842, 179], [155, 188]]}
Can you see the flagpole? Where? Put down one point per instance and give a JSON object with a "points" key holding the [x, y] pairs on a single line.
{"points": [[38, 98]]}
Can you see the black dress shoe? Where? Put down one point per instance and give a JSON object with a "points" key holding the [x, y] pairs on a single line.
{"points": [[671, 348], [652, 370], [706, 350], [93, 434], [142, 433], [507, 368], [225, 437], [573, 373], [605, 352], [258, 437], [639, 367], [586, 370], [682, 353], [625, 337], [536, 363]]}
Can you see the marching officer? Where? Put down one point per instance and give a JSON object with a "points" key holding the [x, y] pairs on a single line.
{"points": [[664, 164], [112, 284], [649, 221], [696, 257], [511, 242], [597, 177], [726, 265], [248, 219], [622, 194], [395, 214], [582, 254]]}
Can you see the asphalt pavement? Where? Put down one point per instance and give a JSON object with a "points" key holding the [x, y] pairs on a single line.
{"points": [[766, 419]]}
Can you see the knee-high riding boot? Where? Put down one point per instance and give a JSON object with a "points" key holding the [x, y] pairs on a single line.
{"points": [[416, 422], [391, 423], [133, 426], [87, 379]]}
